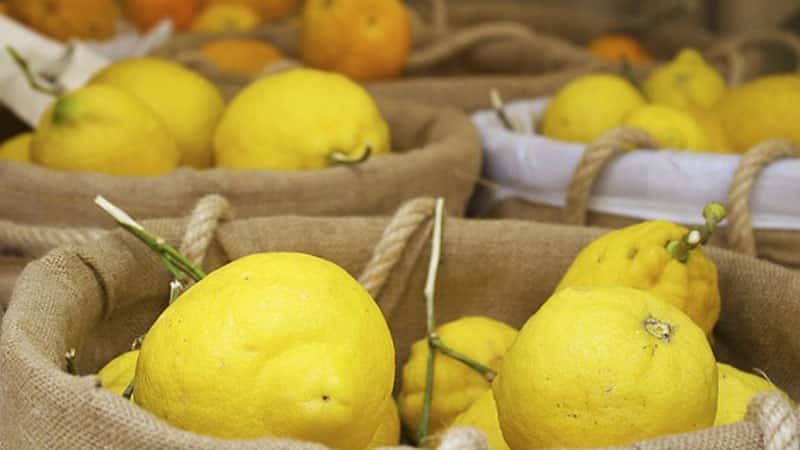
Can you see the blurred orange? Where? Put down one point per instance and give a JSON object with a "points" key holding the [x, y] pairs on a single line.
{"points": [[222, 17], [245, 57], [147, 13], [67, 19], [364, 39], [269, 9], [616, 47]]}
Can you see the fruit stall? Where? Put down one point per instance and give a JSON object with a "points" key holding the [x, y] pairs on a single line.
{"points": [[388, 224]]}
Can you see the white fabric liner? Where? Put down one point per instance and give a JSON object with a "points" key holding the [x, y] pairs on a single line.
{"points": [[646, 184]]}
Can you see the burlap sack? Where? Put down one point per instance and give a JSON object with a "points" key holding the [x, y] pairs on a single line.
{"points": [[98, 297]]}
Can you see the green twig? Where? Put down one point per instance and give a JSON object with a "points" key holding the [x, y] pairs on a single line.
{"points": [[713, 214], [70, 356], [487, 372], [128, 392], [629, 74], [500, 110], [339, 157], [23, 65]]}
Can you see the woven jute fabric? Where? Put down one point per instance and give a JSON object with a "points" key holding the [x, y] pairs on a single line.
{"points": [[99, 296]]}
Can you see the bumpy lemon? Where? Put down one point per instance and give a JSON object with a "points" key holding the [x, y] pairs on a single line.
{"points": [[388, 432], [118, 374], [736, 388], [276, 344], [189, 105], [455, 386], [687, 81], [588, 106], [483, 416], [762, 109], [712, 126], [221, 17], [671, 128], [635, 257], [17, 148], [597, 367], [101, 128], [296, 120]]}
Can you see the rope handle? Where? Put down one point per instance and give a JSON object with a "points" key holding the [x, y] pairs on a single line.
{"points": [[741, 237], [778, 423], [595, 158], [731, 49]]}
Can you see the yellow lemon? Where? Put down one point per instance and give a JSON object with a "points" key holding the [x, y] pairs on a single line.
{"points": [[671, 128], [189, 105], [687, 81], [455, 386], [118, 374], [296, 120], [597, 367], [635, 257], [101, 128], [388, 432], [762, 109], [222, 17], [17, 148], [275, 344], [483, 416], [736, 388], [712, 126], [589, 106]]}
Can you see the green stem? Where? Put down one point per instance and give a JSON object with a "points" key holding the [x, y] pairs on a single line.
{"points": [[629, 74], [500, 110], [128, 392], [339, 157], [70, 356], [23, 65], [713, 214], [487, 372]]}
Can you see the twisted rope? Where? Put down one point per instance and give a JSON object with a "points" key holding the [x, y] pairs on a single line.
{"points": [[779, 425], [731, 49], [463, 438], [594, 160], [202, 226], [740, 227], [395, 238], [35, 241]]}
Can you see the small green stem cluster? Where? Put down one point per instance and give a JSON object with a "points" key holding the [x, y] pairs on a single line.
{"points": [[23, 65], [713, 214]]}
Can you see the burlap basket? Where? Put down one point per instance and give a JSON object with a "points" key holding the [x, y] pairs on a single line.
{"points": [[437, 153], [99, 296]]}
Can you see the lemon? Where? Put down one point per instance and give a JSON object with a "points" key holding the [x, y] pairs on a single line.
{"points": [[708, 120], [589, 106], [388, 432], [635, 257], [295, 120], [221, 17], [483, 416], [455, 386], [118, 374], [189, 105], [598, 367], [17, 148], [271, 345], [765, 108], [687, 81], [101, 128], [671, 128], [736, 388]]}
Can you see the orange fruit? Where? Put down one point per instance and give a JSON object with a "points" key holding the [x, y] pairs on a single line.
{"points": [[269, 9], [244, 57], [364, 39], [67, 19], [616, 47], [148, 13], [221, 17]]}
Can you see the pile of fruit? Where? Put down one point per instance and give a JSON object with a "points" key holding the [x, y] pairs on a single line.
{"points": [[685, 105], [290, 345]]}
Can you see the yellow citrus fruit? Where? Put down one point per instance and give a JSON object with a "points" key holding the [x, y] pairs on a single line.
{"points": [[101, 128], [712, 126], [589, 106], [188, 104], [736, 388], [271, 345], [672, 128], [268, 9], [246, 57], [364, 39], [295, 120], [635, 257], [118, 374], [388, 432], [598, 367], [617, 48], [221, 17], [687, 81], [17, 148], [762, 109], [455, 386], [483, 416]]}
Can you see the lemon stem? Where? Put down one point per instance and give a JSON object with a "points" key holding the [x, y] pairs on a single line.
{"points": [[500, 111], [70, 356], [627, 72], [128, 392], [339, 157], [23, 65], [487, 372], [713, 214]]}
